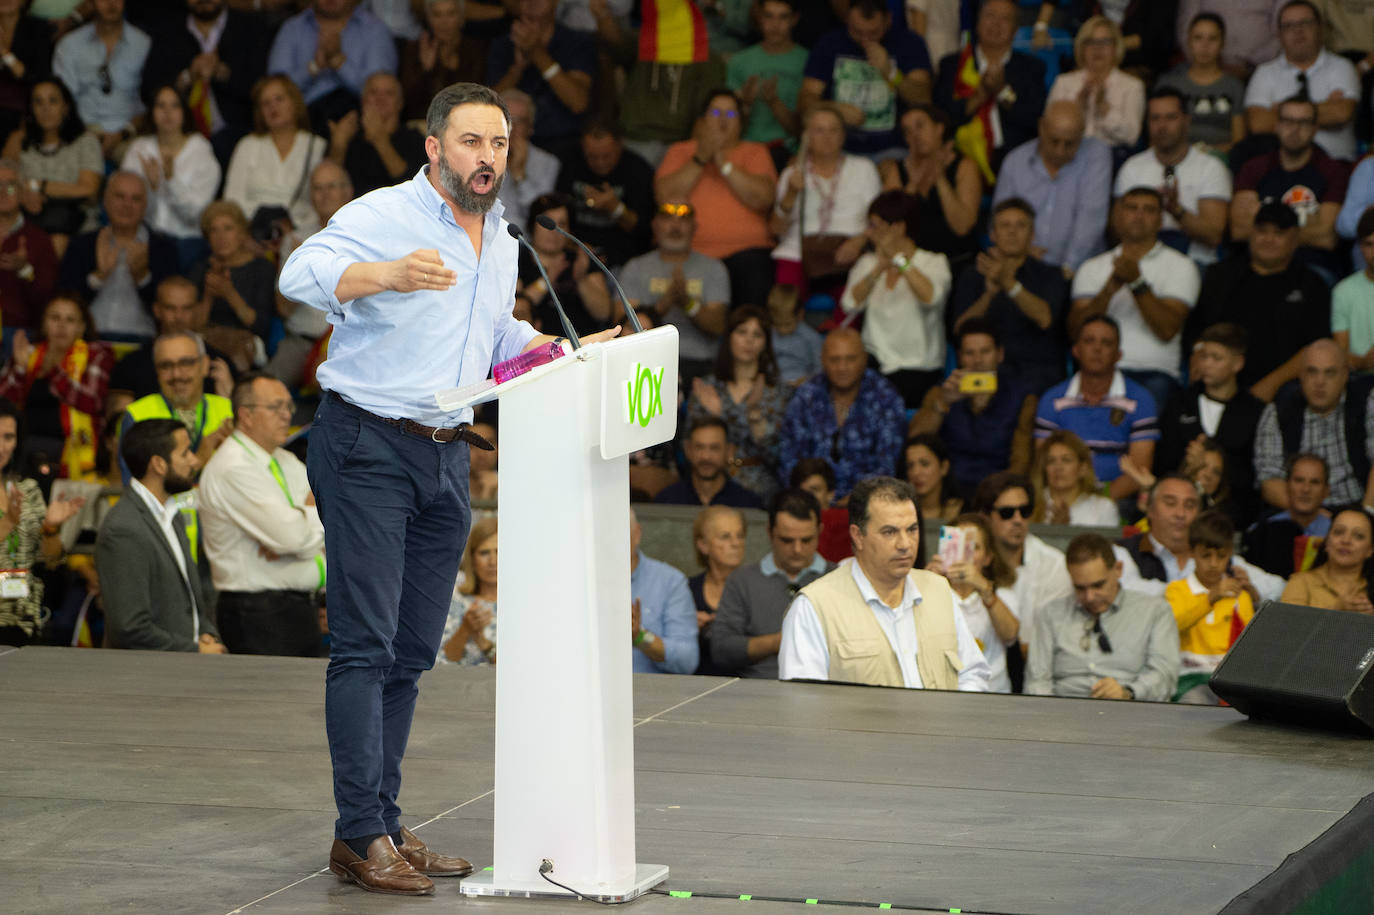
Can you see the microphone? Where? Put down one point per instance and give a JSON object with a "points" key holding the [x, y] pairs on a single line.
{"points": [[568, 331], [548, 223]]}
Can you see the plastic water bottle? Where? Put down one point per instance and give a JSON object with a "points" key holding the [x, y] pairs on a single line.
{"points": [[519, 365]]}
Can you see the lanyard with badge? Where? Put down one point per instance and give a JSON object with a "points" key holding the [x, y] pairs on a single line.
{"points": [[14, 583], [202, 414], [277, 475]]}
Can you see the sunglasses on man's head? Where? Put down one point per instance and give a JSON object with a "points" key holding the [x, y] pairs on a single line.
{"points": [[676, 210], [1005, 512]]}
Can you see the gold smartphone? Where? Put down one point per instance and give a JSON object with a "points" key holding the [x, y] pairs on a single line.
{"points": [[978, 383]]}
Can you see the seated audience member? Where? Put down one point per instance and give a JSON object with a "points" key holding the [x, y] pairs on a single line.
{"points": [[821, 214], [375, 147], [796, 344], [530, 171], [28, 40], [1325, 417], [871, 67], [237, 287], [483, 478], [946, 185], [848, 413], [59, 383], [1105, 641], [1112, 101], [612, 192], [470, 632], [817, 477], [906, 615], [925, 466], [118, 267], [157, 597], [1287, 542], [1214, 98], [995, 94], [552, 64], [747, 630], [767, 76], [330, 188], [1210, 606], [176, 309], [181, 364], [1113, 415], [1281, 304], [214, 53], [683, 287], [262, 531], [329, 50], [1251, 37], [732, 180], [663, 626], [1006, 501], [747, 393], [60, 163], [1300, 175], [709, 452], [580, 287], [439, 57], [28, 265], [1307, 69], [1194, 186], [986, 427], [1341, 576], [270, 168], [900, 290], [102, 63], [30, 526], [1352, 302], [1161, 554], [1068, 489], [1020, 296], [718, 536], [982, 591], [1147, 286], [1359, 197]]}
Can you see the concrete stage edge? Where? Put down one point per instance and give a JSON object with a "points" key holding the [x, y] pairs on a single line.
{"points": [[181, 783]]}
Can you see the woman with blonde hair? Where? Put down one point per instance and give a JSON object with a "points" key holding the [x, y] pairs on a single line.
{"points": [[470, 632], [269, 171], [1112, 100], [1066, 489]]}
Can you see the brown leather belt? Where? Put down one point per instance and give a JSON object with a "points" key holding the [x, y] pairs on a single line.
{"points": [[442, 434]]}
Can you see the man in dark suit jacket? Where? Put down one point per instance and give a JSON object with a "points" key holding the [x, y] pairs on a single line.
{"points": [[157, 596]]}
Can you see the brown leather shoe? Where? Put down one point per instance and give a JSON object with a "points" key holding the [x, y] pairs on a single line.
{"points": [[427, 862], [382, 871]]}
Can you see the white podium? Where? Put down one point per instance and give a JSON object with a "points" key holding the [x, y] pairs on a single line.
{"points": [[564, 721]]}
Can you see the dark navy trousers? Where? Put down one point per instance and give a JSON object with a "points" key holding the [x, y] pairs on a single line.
{"points": [[396, 517]]}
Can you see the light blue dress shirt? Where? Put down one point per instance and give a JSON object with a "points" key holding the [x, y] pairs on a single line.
{"points": [[1070, 207], [366, 43], [665, 609], [391, 352], [77, 60]]}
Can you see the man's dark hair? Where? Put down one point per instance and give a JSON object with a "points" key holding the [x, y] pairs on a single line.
{"points": [[1212, 530], [798, 503], [1300, 99], [1142, 190], [1308, 456], [1100, 319], [1164, 478], [976, 326], [1086, 548], [790, 4], [868, 7], [807, 468], [450, 97], [710, 422], [1365, 227], [885, 489], [1307, 3], [146, 440], [1211, 17], [550, 201], [243, 389], [1170, 92], [599, 125], [1015, 203], [721, 92], [992, 487], [1225, 333]]}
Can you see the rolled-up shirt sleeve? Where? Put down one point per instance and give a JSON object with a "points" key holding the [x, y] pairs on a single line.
{"points": [[313, 270], [681, 652], [803, 654]]}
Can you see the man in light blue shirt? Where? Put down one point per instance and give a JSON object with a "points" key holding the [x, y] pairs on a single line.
{"points": [[663, 620], [332, 47], [418, 281], [102, 63]]}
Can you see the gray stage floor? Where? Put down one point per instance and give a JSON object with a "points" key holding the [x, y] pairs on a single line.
{"points": [[180, 783]]}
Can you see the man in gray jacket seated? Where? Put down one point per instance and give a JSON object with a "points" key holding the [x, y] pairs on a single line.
{"points": [[747, 629]]}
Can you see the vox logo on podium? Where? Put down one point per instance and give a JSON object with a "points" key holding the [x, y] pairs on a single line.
{"points": [[644, 395]]}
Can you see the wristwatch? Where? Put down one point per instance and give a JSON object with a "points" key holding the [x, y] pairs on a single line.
{"points": [[1138, 283], [1130, 693], [645, 637]]}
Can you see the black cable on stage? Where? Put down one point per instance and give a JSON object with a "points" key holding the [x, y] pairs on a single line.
{"points": [[851, 903]]}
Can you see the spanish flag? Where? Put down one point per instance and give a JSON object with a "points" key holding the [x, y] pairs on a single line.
{"points": [[982, 134], [1305, 549], [198, 100], [672, 32]]}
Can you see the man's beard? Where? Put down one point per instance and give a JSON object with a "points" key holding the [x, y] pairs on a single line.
{"points": [[460, 189], [175, 484]]}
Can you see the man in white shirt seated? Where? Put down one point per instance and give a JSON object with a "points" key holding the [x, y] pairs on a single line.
{"points": [[262, 532], [877, 620]]}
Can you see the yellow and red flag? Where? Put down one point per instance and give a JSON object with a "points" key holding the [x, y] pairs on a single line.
{"points": [[982, 134], [672, 32]]}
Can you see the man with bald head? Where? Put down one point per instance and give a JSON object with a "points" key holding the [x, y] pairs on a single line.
{"points": [[176, 310], [1067, 178], [1329, 417], [849, 414]]}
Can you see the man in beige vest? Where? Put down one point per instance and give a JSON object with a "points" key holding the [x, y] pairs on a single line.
{"points": [[878, 620]]}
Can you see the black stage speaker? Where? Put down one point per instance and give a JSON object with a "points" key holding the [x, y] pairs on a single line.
{"points": [[1302, 666]]}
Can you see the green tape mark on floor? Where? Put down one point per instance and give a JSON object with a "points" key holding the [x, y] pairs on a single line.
{"points": [[680, 894], [885, 905], [955, 911], [745, 898], [812, 901], [488, 869]]}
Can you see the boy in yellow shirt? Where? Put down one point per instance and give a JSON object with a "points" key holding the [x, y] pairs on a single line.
{"points": [[1210, 605]]}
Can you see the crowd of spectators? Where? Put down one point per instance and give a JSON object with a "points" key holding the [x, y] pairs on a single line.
{"points": [[1064, 263]]}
